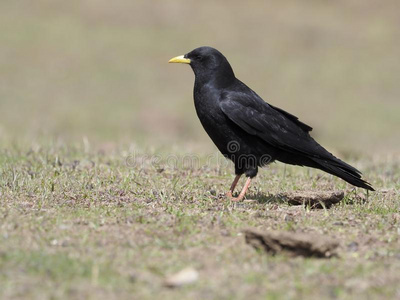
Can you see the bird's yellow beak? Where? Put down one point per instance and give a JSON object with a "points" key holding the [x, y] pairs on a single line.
{"points": [[180, 59]]}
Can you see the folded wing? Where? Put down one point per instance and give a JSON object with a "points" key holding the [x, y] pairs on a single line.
{"points": [[276, 127]]}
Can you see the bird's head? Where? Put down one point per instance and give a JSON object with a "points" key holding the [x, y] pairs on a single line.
{"points": [[208, 64]]}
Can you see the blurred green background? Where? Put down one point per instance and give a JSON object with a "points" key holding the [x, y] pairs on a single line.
{"points": [[97, 70]]}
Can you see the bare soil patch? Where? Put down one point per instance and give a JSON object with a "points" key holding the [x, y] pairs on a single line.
{"points": [[292, 243]]}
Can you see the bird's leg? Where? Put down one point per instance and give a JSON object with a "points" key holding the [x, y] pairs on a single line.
{"points": [[242, 193], [234, 183]]}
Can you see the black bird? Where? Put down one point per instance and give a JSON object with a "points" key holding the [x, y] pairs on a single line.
{"points": [[249, 131]]}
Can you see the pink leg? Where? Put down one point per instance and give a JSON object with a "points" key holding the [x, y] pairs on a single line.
{"points": [[242, 193], [234, 183]]}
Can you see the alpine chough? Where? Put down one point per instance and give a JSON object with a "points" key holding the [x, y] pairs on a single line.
{"points": [[249, 131]]}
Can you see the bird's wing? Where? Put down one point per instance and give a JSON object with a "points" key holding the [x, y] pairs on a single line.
{"points": [[276, 127], [259, 118], [295, 119], [281, 130]]}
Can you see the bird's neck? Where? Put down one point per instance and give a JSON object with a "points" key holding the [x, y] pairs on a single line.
{"points": [[221, 76], [221, 79]]}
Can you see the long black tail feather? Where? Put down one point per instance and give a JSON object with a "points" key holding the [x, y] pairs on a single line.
{"points": [[344, 171]]}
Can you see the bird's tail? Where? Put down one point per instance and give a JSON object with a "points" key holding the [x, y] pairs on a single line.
{"points": [[345, 171]]}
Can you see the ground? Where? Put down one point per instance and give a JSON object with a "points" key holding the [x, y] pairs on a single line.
{"points": [[109, 184], [87, 223]]}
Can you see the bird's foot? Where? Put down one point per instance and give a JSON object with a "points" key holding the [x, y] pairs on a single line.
{"points": [[234, 199], [242, 193]]}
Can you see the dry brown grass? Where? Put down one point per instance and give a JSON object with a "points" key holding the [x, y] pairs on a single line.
{"points": [[79, 225]]}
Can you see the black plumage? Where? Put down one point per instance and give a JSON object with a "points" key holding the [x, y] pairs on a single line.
{"points": [[249, 131]]}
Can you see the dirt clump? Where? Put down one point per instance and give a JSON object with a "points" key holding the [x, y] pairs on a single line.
{"points": [[313, 199], [292, 243]]}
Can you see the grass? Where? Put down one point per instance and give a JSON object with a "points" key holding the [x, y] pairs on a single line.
{"points": [[79, 223], [108, 183]]}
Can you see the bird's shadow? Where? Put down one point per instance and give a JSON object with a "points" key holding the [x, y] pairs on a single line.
{"points": [[323, 201], [267, 198], [282, 198]]}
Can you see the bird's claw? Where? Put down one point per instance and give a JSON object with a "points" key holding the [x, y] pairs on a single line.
{"points": [[233, 199]]}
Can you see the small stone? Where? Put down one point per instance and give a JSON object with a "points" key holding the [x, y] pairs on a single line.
{"points": [[353, 246], [338, 223], [183, 277]]}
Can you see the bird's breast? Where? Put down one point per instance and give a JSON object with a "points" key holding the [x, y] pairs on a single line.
{"points": [[207, 107], [210, 114]]}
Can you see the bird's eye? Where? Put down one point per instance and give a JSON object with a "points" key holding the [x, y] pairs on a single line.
{"points": [[198, 57]]}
